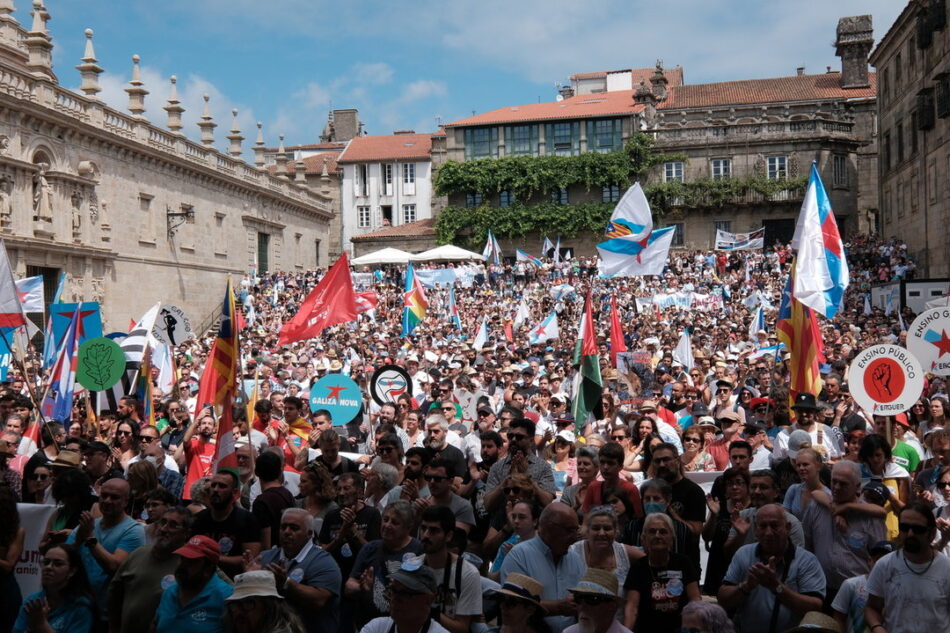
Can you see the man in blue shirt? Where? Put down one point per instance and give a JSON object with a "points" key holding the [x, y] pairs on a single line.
{"points": [[306, 575], [195, 603], [548, 559], [105, 543]]}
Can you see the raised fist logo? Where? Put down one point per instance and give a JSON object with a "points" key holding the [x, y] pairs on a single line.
{"points": [[882, 376]]}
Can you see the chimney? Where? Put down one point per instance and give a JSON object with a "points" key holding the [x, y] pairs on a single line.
{"points": [[566, 92], [658, 82], [800, 71], [853, 44]]}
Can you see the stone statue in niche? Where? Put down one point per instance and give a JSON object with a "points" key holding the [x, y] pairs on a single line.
{"points": [[93, 207], [6, 201], [76, 200], [97, 290], [42, 195], [4, 143]]}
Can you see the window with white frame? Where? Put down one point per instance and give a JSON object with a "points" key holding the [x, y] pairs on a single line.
{"points": [[721, 168], [610, 193], [673, 171], [839, 165], [777, 167], [362, 180], [363, 217], [387, 180], [408, 213], [409, 179]]}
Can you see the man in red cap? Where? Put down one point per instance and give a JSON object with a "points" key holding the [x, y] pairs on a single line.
{"points": [[195, 603]]}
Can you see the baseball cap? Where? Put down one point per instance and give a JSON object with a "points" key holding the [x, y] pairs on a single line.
{"points": [[419, 580], [797, 441], [882, 547], [566, 435], [200, 546], [730, 416]]}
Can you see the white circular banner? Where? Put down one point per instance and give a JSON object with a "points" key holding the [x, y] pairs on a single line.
{"points": [[172, 326], [885, 379], [929, 340]]}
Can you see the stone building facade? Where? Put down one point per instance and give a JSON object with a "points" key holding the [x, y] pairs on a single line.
{"points": [[133, 212], [768, 128], [913, 67]]}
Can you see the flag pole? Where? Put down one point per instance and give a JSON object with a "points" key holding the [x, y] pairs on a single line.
{"points": [[26, 377]]}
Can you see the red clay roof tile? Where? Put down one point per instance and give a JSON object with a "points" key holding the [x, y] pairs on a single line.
{"points": [[392, 147], [774, 90], [419, 228], [616, 103]]}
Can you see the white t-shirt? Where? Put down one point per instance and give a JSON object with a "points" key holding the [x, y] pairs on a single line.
{"points": [[382, 625], [851, 599], [912, 602], [780, 447], [469, 600]]}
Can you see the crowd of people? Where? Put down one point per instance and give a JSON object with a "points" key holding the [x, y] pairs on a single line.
{"points": [[697, 498]]}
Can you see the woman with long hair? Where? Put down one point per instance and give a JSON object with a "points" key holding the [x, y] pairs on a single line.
{"points": [[317, 493], [36, 485], [919, 416], [255, 606], [389, 450], [694, 457], [65, 603], [415, 429], [72, 492], [142, 479], [939, 411], [523, 523], [735, 482], [808, 465], [125, 444], [12, 536], [878, 466], [562, 462]]}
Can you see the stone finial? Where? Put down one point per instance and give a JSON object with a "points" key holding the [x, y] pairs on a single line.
{"points": [[325, 173], [659, 81], [39, 44], [174, 108], [136, 90], [300, 171], [6, 8], [259, 146], [207, 124], [89, 69], [235, 136], [281, 160]]}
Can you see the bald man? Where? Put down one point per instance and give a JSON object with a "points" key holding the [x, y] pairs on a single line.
{"points": [[548, 559], [106, 542]]}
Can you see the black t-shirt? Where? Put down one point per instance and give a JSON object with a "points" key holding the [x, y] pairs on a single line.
{"points": [[268, 508], [689, 502], [367, 525], [454, 455], [346, 465], [662, 592], [232, 534]]}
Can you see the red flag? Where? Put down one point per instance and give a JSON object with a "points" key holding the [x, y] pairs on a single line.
{"points": [[239, 320], [366, 301], [332, 301], [617, 344], [509, 334]]}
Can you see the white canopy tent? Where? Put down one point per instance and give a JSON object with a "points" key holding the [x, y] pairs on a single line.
{"points": [[447, 252], [382, 256]]}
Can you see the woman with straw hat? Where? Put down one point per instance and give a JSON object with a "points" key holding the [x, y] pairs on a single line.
{"points": [[520, 602], [255, 606]]}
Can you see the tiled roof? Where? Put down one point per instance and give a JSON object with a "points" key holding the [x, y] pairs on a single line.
{"points": [[775, 90], [392, 147], [674, 76], [618, 102], [314, 164], [311, 146], [420, 228]]}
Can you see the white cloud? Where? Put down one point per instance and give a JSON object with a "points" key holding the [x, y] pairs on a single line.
{"points": [[422, 89]]}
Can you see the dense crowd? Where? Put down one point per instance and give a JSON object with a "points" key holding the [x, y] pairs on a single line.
{"points": [[698, 498]]}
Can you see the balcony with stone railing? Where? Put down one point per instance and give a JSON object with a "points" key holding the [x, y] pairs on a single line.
{"points": [[745, 132]]}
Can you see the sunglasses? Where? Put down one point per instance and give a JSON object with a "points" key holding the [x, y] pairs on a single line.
{"points": [[692, 439], [511, 490], [723, 390], [516, 437], [691, 396], [919, 530], [385, 449], [943, 484], [146, 439], [584, 598], [41, 477], [448, 408], [123, 432], [618, 437], [434, 478]]}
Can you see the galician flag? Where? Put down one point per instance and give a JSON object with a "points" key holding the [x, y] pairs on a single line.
{"points": [[588, 386], [58, 403], [546, 330], [523, 256], [522, 315], [30, 291], [492, 250], [481, 336], [683, 352], [631, 219], [547, 246], [758, 322], [454, 310], [821, 271], [627, 258], [557, 250]]}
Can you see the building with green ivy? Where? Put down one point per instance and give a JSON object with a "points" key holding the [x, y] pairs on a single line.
{"points": [[731, 155]]}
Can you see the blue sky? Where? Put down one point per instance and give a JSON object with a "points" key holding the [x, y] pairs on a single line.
{"points": [[403, 63]]}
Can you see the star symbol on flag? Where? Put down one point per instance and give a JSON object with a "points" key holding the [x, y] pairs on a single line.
{"points": [[540, 331], [943, 344], [643, 245], [334, 392], [80, 327]]}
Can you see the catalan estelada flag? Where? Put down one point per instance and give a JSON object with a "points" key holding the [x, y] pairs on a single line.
{"points": [[218, 382], [415, 302], [797, 328]]}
